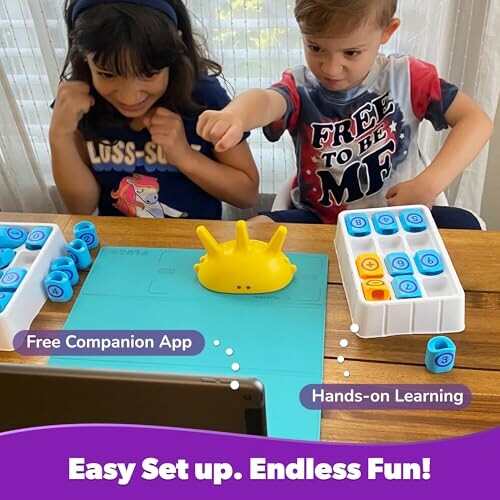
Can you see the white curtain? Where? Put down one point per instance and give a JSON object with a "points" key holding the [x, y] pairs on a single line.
{"points": [[255, 40]]}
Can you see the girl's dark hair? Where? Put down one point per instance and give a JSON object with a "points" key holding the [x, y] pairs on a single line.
{"points": [[134, 40]]}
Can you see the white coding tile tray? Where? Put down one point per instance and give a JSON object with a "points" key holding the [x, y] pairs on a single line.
{"points": [[23, 267], [397, 275]]}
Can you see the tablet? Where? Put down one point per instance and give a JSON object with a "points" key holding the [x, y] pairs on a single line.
{"points": [[33, 396]]}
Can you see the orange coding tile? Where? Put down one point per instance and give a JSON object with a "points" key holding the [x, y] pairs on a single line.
{"points": [[374, 289], [369, 266]]}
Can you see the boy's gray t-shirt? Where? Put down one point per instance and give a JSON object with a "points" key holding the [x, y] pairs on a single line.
{"points": [[352, 146]]}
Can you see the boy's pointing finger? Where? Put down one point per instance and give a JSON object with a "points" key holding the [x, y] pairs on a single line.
{"points": [[218, 131], [205, 123], [230, 139]]}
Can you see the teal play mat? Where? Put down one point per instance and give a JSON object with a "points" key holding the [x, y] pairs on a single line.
{"points": [[277, 338]]}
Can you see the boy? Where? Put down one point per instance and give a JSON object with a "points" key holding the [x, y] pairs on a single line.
{"points": [[353, 115]]}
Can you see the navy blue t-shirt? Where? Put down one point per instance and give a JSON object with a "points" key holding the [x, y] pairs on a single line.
{"points": [[137, 181]]}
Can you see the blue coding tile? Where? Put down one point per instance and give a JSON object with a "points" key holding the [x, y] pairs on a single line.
{"points": [[357, 225], [406, 287], [429, 262], [12, 279], [440, 354], [385, 223], [37, 237], [6, 257], [413, 220], [398, 264], [12, 237], [4, 300]]}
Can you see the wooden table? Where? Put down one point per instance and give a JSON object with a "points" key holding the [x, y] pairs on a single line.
{"points": [[476, 256]]}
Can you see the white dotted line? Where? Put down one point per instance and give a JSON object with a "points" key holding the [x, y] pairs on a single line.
{"points": [[235, 385]]}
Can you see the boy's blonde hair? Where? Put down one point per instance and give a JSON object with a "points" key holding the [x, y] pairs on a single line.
{"points": [[340, 17]]}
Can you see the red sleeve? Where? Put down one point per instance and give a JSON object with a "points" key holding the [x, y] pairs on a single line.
{"points": [[288, 89], [425, 86], [431, 96]]}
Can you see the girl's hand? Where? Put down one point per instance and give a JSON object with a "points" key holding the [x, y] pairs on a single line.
{"points": [[222, 128], [167, 130], [414, 192], [73, 100]]}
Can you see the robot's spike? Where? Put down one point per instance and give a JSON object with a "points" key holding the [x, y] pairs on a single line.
{"points": [[208, 241], [276, 241], [242, 237]]}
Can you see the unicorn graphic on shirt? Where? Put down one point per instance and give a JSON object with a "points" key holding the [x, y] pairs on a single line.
{"points": [[137, 196]]}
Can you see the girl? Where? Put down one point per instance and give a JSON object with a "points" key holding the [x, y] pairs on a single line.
{"points": [[122, 134]]}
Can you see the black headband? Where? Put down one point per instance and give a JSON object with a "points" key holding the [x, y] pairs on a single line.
{"points": [[160, 5]]}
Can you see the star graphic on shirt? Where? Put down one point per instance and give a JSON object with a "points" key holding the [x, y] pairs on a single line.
{"points": [[308, 172], [315, 189], [393, 126], [402, 136]]}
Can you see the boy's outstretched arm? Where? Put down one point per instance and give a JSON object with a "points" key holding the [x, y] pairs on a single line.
{"points": [[253, 109], [231, 176], [471, 130]]}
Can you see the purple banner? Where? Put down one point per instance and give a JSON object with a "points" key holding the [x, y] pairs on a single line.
{"points": [[131, 462]]}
